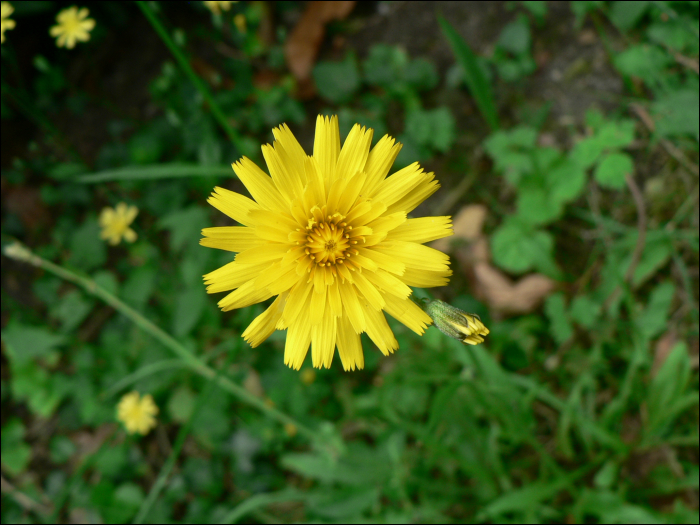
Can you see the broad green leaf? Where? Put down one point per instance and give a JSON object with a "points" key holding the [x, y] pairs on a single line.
{"points": [[613, 169], [384, 65], [625, 15], [158, 171], [536, 206], [71, 310], [181, 404], [676, 114], [337, 81], [518, 249], [185, 226], [515, 37], [433, 128], [15, 452], [139, 286], [24, 343], [566, 181], [584, 311], [511, 151], [473, 75], [344, 502], [652, 320], [422, 74], [645, 61], [189, 307], [87, 250]]}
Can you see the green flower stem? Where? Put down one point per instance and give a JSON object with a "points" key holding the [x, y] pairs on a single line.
{"points": [[22, 253], [185, 65]]}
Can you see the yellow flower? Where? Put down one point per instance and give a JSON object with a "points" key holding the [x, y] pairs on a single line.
{"points": [[6, 10], [217, 7], [138, 414], [239, 21], [73, 25], [115, 223], [328, 235], [455, 323]]}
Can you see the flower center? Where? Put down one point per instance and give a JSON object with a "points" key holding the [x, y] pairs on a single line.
{"points": [[327, 240]]}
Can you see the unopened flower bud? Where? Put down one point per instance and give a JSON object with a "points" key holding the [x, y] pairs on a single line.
{"points": [[455, 323]]}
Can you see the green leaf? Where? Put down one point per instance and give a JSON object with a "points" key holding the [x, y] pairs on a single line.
{"points": [[158, 171], [613, 169], [657, 252], [181, 404], [189, 307], [676, 114], [23, 343], [518, 249], [625, 15], [566, 181], [511, 151], [87, 250], [653, 320], [432, 128], [422, 74], [555, 308], [139, 286], [515, 37], [645, 61], [337, 81], [473, 75], [16, 454], [616, 133], [61, 449], [344, 502], [536, 206], [261, 500], [185, 227], [585, 311], [666, 398], [71, 310], [384, 65]]}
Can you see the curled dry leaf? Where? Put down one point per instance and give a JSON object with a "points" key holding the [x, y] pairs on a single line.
{"points": [[504, 295], [301, 48]]}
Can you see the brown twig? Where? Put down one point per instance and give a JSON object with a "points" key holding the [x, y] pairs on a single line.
{"points": [[670, 148], [22, 499], [641, 239], [641, 227]]}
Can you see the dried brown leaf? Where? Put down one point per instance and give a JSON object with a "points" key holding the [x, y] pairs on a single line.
{"points": [[505, 296], [301, 48]]}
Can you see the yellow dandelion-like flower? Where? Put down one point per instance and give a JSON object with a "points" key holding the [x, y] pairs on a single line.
{"points": [[329, 236], [115, 223], [137, 413], [217, 7], [73, 26], [240, 22], [6, 10]]}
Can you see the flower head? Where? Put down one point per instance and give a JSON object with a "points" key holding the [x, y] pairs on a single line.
{"points": [[329, 236], [217, 7], [115, 223], [6, 10], [137, 413], [455, 323], [73, 26]]}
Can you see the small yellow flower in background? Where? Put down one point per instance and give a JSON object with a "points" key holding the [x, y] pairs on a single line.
{"points": [[328, 234], [73, 26], [217, 7], [137, 413], [5, 23], [455, 323], [308, 376], [115, 223], [290, 429], [239, 21]]}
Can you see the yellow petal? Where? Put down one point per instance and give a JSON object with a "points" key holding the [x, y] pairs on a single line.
{"points": [[233, 204], [378, 330], [267, 252], [327, 146], [259, 185], [352, 307], [246, 295], [230, 238], [425, 279], [349, 345], [422, 229], [379, 162], [355, 151], [407, 312], [323, 342], [263, 325]]}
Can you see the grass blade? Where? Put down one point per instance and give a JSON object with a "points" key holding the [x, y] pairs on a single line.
{"points": [[156, 171], [473, 75]]}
